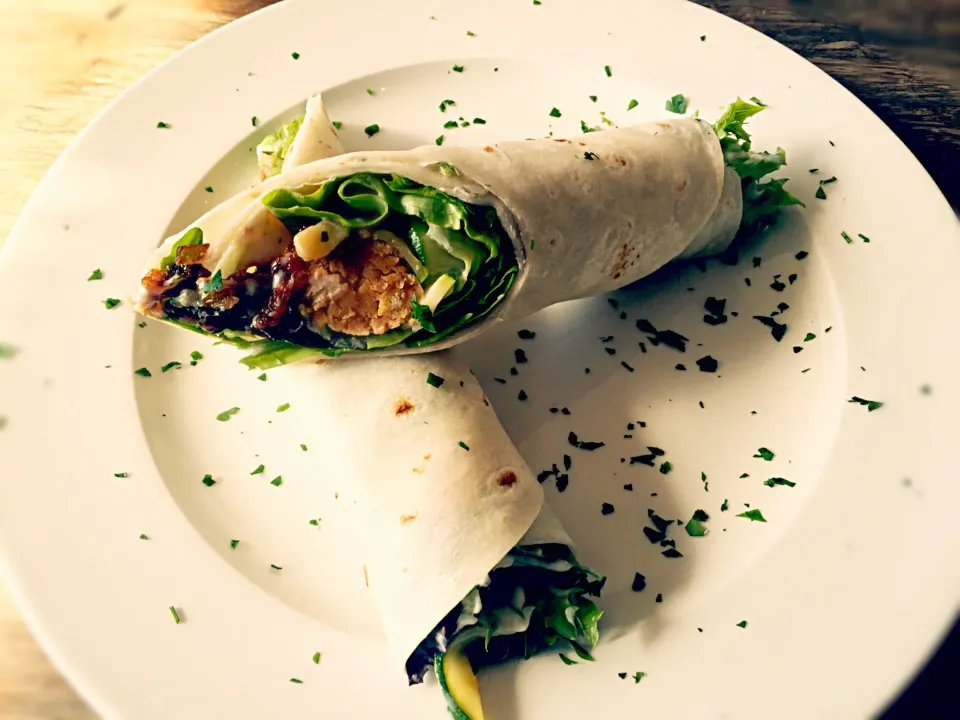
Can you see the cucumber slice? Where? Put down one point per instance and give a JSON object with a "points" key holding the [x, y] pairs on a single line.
{"points": [[458, 684], [438, 290]]}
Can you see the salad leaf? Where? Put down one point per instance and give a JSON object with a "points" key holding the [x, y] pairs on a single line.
{"points": [[193, 236], [272, 151]]}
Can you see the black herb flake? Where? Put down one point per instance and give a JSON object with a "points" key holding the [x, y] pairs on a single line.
{"points": [[519, 356], [639, 582], [820, 194], [648, 460], [753, 515], [765, 454], [773, 482], [777, 284], [724, 505], [142, 372], [522, 395], [583, 444], [434, 380], [500, 380], [871, 405], [715, 308], [777, 330], [707, 364], [587, 155], [628, 487], [628, 367], [275, 567], [606, 509], [295, 56], [680, 366], [801, 255], [672, 553], [610, 350], [464, 445], [526, 334]]}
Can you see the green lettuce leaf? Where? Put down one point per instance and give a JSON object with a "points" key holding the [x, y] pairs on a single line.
{"points": [[272, 151], [193, 236]]}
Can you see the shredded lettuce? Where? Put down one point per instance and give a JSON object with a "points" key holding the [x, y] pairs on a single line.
{"points": [[537, 598], [274, 148], [762, 201]]}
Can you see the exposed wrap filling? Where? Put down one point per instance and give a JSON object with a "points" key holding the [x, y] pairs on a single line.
{"points": [[537, 598], [359, 263]]}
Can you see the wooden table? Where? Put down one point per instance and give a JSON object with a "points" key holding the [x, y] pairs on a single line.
{"points": [[63, 60]]}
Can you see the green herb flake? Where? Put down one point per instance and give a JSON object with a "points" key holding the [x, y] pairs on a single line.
{"points": [[164, 126], [296, 681], [470, 33], [295, 56], [820, 194], [773, 482], [846, 237], [277, 481], [444, 104], [316, 658], [254, 121], [871, 405], [315, 523], [464, 445], [458, 68], [666, 467], [142, 372], [337, 124], [195, 357], [758, 101], [121, 475], [765, 454], [176, 615], [537, 2], [371, 130], [208, 480], [434, 380], [638, 676], [170, 366], [566, 660], [283, 408], [111, 303], [209, 188], [233, 544], [593, 98], [439, 140], [449, 124], [742, 624], [96, 275], [143, 537], [608, 71], [753, 515], [703, 38], [863, 237], [227, 414], [262, 377], [555, 113], [213, 284], [370, 91], [677, 104], [809, 336], [631, 105], [724, 505], [303, 447], [259, 470], [694, 526], [275, 567]]}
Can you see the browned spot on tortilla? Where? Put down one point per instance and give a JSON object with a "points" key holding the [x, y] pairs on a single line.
{"points": [[422, 468], [321, 361], [682, 185], [619, 160], [666, 126], [485, 401], [427, 456], [366, 578], [507, 479], [621, 262], [336, 496], [582, 144], [407, 519], [489, 149], [560, 140], [403, 407]]}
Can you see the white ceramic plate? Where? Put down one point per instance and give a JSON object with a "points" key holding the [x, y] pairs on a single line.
{"points": [[845, 588]]}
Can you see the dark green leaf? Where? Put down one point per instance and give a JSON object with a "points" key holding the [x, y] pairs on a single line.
{"points": [[772, 482], [677, 104], [871, 405], [754, 515], [227, 414], [434, 380], [111, 303], [765, 454], [96, 275], [371, 130]]}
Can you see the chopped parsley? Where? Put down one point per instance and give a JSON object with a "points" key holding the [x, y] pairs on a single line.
{"points": [[316, 658], [295, 56], [143, 537], [871, 405], [665, 467], [439, 140], [863, 237], [677, 104], [315, 523], [209, 188], [555, 113], [233, 544], [820, 194], [583, 444], [296, 681], [142, 372], [170, 366], [121, 475], [208, 480], [694, 526], [444, 104], [96, 275], [111, 303], [753, 515], [434, 380], [638, 676], [275, 567], [262, 377], [371, 130], [608, 71], [337, 124], [742, 624], [259, 470], [593, 98], [757, 101], [470, 33], [227, 414], [765, 454], [303, 447], [846, 237], [724, 505], [703, 38], [464, 445], [458, 68], [631, 105], [254, 121], [370, 91], [163, 126], [809, 336], [277, 481], [479, 121], [450, 124], [283, 408], [176, 615], [773, 482]]}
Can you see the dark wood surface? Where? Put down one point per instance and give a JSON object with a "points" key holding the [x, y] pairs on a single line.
{"points": [[61, 61]]}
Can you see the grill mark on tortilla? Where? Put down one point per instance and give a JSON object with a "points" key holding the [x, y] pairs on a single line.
{"points": [[403, 407], [366, 578], [507, 479], [407, 519], [682, 185]]}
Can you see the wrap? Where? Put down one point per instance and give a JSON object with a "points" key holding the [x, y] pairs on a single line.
{"points": [[400, 252]]}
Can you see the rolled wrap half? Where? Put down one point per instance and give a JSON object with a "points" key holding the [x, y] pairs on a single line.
{"points": [[570, 219]]}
